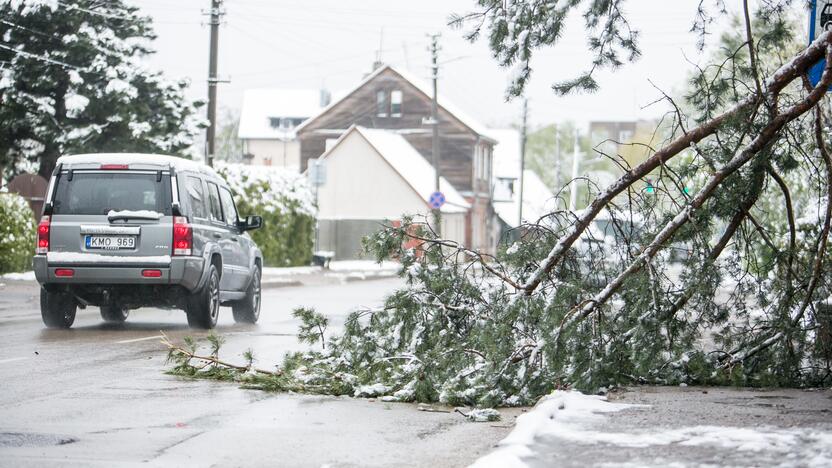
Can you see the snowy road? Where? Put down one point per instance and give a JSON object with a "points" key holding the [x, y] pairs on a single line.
{"points": [[97, 396]]}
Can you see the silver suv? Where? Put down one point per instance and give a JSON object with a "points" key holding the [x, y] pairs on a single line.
{"points": [[123, 231]]}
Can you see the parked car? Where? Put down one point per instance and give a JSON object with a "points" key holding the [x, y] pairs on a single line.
{"points": [[826, 17], [123, 231]]}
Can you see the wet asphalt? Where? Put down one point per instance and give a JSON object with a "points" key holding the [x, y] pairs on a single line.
{"points": [[97, 395]]}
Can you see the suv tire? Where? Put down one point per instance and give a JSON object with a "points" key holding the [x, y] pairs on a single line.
{"points": [[203, 307], [57, 309], [114, 313], [248, 309]]}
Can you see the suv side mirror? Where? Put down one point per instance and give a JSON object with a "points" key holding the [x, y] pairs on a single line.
{"points": [[251, 223]]}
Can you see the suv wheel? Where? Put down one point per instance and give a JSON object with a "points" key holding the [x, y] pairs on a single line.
{"points": [[248, 310], [203, 307], [114, 313], [57, 309]]}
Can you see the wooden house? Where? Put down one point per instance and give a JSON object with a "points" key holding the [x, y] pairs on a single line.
{"points": [[393, 100]]}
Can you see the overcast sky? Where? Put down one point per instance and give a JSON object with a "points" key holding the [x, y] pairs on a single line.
{"points": [[332, 44]]}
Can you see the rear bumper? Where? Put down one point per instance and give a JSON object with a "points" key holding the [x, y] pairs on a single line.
{"points": [[181, 271]]}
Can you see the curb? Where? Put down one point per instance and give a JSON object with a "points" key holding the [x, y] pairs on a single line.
{"points": [[279, 283], [352, 278]]}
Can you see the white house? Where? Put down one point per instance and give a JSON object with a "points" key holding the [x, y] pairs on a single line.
{"points": [[538, 199], [268, 120], [376, 176]]}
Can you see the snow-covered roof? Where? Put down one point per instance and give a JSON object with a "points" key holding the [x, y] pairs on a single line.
{"points": [[260, 105], [410, 165], [420, 85], [506, 152], [537, 197], [143, 159], [537, 201]]}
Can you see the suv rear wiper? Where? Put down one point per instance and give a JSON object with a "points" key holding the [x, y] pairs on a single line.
{"points": [[127, 214]]}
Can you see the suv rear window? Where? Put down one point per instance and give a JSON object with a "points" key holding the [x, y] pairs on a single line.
{"points": [[96, 193]]}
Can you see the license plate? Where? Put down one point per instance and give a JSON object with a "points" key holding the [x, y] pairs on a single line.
{"points": [[110, 242]]}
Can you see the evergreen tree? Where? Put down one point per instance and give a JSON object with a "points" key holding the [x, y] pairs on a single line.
{"points": [[73, 81]]}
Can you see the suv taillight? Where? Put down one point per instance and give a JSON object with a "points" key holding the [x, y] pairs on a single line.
{"points": [[43, 235], [183, 236]]}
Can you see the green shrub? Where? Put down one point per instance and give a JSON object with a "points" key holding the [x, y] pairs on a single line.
{"points": [[17, 234], [284, 200]]}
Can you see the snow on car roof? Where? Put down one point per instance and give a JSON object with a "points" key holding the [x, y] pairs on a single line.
{"points": [[135, 158]]}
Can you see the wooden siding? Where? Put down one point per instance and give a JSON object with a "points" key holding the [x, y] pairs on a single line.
{"points": [[457, 141]]}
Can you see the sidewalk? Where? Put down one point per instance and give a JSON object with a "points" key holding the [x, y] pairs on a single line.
{"points": [[339, 272]]}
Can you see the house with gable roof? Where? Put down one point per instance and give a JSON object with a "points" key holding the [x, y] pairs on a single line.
{"points": [[268, 120], [392, 100], [378, 177]]}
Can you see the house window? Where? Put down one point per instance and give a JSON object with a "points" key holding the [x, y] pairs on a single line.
{"points": [[624, 136], [381, 103], [396, 104]]}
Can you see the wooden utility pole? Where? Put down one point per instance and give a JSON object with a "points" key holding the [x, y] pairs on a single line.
{"points": [[556, 188], [213, 80], [434, 119], [523, 158]]}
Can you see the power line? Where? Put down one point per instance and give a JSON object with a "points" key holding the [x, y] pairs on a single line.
{"points": [[97, 13], [44, 59]]}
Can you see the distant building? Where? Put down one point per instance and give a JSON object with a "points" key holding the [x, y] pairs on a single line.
{"points": [[268, 121], [611, 132], [376, 176], [538, 199], [391, 99]]}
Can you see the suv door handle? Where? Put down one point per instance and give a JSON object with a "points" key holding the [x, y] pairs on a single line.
{"points": [[217, 235]]}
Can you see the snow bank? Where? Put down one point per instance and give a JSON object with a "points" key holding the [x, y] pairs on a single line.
{"points": [[558, 414], [26, 276], [578, 418]]}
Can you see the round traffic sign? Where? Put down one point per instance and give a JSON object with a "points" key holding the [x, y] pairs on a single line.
{"points": [[436, 200]]}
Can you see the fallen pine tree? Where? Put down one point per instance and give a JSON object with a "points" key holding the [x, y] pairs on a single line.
{"points": [[594, 298]]}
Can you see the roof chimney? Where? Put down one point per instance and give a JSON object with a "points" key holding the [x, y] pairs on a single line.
{"points": [[326, 98]]}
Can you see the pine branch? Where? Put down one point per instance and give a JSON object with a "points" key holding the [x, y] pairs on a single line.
{"points": [[776, 83], [763, 139], [190, 354]]}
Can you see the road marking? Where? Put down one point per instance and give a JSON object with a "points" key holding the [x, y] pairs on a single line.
{"points": [[134, 340], [4, 361]]}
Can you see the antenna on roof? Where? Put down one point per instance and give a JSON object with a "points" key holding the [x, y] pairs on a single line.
{"points": [[378, 63]]}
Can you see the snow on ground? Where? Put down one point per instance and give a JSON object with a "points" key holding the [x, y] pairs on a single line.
{"points": [[561, 413], [25, 276], [575, 418], [341, 266], [362, 265]]}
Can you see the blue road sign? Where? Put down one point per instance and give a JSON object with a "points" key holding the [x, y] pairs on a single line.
{"points": [[820, 20], [436, 200]]}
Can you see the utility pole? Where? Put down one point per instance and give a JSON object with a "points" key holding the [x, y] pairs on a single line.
{"points": [[576, 165], [213, 80], [434, 119], [556, 188], [523, 158]]}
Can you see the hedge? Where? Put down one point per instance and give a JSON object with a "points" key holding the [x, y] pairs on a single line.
{"points": [[17, 234], [284, 200]]}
